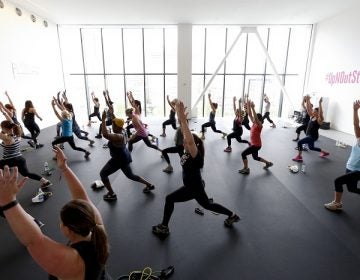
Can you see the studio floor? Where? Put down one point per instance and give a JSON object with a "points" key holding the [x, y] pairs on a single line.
{"points": [[284, 233]]}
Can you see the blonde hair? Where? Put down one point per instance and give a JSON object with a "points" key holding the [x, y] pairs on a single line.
{"points": [[66, 114]]}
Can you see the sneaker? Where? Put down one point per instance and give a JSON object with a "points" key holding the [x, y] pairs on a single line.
{"points": [[105, 146], [324, 154], [91, 143], [39, 197], [202, 137], [87, 154], [45, 185], [86, 133], [148, 188], [168, 169], [110, 197], [232, 219], [61, 146], [199, 211], [224, 135], [298, 159], [228, 150], [98, 136], [38, 146], [273, 125], [39, 223], [333, 206], [161, 230], [296, 139], [31, 143], [245, 171], [269, 164], [163, 135]]}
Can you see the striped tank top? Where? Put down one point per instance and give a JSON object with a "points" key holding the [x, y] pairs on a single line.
{"points": [[12, 150]]}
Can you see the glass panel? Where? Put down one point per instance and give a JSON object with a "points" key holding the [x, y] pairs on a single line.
{"points": [[235, 62], [154, 95], [135, 84], [113, 52], [255, 63], [198, 40], [71, 49], [294, 88], [133, 51], [171, 50], [278, 42], [171, 90], [233, 87], [215, 48], [254, 89], [197, 86], [92, 50], [273, 91], [216, 91], [115, 85], [153, 42], [95, 84]]}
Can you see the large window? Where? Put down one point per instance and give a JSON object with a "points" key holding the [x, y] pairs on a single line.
{"points": [[247, 71], [141, 60]]}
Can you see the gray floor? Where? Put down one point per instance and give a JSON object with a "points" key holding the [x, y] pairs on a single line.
{"points": [[285, 232]]}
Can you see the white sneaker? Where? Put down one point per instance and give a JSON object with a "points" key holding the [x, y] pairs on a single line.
{"points": [[39, 197], [333, 206], [168, 169]]}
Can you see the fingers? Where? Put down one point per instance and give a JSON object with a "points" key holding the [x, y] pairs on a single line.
{"points": [[22, 182]]}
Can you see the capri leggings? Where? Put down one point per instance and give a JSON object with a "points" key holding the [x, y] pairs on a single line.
{"points": [[114, 165], [350, 179], [169, 121], [33, 129], [267, 116], [172, 150], [137, 139], [187, 193], [237, 136], [301, 128], [252, 150], [212, 125], [70, 140], [310, 142], [20, 163]]}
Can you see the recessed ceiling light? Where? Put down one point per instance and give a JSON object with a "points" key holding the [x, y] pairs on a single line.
{"points": [[1, 4], [18, 11], [33, 18], [45, 23]]}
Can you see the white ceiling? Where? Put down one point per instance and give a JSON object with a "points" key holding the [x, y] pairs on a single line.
{"points": [[185, 11]]}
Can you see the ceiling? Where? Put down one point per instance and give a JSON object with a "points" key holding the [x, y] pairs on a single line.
{"points": [[185, 11]]}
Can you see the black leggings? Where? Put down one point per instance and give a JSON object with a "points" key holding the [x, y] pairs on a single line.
{"points": [[267, 116], [302, 127], [95, 114], [172, 150], [252, 150], [130, 126], [350, 179], [33, 129], [169, 121], [70, 140], [137, 139], [20, 163], [78, 134], [212, 125], [114, 165], [237, 136], [107, 123], [311, 143], [187, 193]]}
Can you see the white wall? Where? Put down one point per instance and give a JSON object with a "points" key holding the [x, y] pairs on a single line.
{"points": [[337, 49], [30, 67]]}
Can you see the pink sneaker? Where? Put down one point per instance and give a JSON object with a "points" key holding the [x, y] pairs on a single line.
{"points": [[324, 154], [298, 158]]}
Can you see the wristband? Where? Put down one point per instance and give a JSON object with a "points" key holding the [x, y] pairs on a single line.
{"points": [[9, 205]]}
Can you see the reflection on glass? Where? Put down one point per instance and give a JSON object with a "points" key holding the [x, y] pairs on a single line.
{"points": [[292, 102]]}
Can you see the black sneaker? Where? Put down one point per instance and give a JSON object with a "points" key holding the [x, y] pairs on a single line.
{"points": [[31, 143], [269, 164], [46, 185], [230, 220], [161, 230], [148, 188], [92, 142], [38, 146], [199, 211], [39, 223], [87, 154], [98, 136], [110, 197], [245, 171]]}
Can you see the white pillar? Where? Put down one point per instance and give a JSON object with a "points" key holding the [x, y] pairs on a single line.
{"points": [[184, 63]]}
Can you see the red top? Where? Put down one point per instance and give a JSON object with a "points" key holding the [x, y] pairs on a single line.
{"points": [[255, 133]]}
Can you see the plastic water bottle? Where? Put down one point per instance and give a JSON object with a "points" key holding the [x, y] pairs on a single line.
{"points": [[46, 167], [303, 168], [157, 142]]}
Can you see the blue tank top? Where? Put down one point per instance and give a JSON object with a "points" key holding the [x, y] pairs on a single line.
{"points": [[353, 162], [66, 128]]}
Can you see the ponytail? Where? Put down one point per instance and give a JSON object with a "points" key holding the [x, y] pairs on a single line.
{"points": [[99, 238]]}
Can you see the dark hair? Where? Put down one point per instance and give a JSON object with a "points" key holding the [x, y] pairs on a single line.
{"points": [[28, 105], [10, 125], [215, 105], [79, 216], [69, 107], [138, 103], [200, 146], [129, 111], [259, 117], [9, 107], [316, 109], [96, 99]]}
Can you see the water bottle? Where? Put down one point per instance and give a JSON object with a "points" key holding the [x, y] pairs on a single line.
{"points": [[46, 167], [303, 168], [157, 142]]}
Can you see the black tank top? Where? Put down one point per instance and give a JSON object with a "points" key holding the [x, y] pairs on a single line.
{"points": [[29, 117], [172, 115], [212, 117], [120, 153], [237, 127], [93, 270], [313, 129]]}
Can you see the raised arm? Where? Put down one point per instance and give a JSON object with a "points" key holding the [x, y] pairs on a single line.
{"points": [[5, 112], [169, 102], [234, 104], [113, 137], [188, 137], [309, 106], [59, 105], [211, 104], [55, 111], [254, 115], [8, 97], [356, 118], [303, 103], [321, 115], [249, 111]]}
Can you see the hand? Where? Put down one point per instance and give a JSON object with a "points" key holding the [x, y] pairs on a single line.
{"points": [[6, 93], [320, 100], [356, 105], [104, 92], [103, 116], [234, 98], [40, 118], [61, 159], [252, 104], [92, 93], [209, 95], [9, 184], [181, 111]]}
